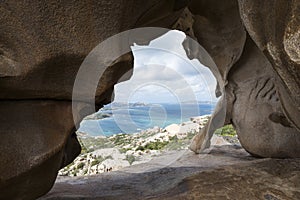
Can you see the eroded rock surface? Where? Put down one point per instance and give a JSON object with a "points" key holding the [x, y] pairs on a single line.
{"points": [[256, 110], [42, 46], [275, 28], [260, 82], [226, 172]]}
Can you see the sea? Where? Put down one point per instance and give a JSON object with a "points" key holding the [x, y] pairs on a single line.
{"points": [[130, 118]]}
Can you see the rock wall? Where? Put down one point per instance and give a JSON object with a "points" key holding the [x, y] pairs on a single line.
{"points": [[258, 69], [274, 26], [42, 44]]}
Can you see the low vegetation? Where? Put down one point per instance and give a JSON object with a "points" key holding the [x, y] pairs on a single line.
{"points": [[226, 130], [133, 148], [130, 159]]}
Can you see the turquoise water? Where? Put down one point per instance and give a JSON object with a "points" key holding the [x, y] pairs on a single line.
{"points": [[123, 118]]}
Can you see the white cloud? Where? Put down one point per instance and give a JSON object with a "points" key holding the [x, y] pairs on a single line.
{"points": [[163, 73]]}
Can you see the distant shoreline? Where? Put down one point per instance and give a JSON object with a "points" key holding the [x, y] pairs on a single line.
{"points": [[102, 154], [131, 118]]}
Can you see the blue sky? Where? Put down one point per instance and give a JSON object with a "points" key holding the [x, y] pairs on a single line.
{"points": [[163, 74]]}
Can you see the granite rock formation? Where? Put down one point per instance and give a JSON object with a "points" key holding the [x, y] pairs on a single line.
{"points": [[42, 46], [259, 70], [254, 44]]}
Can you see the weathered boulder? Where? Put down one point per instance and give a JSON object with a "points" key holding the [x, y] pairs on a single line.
{"points": [[33, 145], [261, 103], [42, 45], [257, 114], [275, 28]]}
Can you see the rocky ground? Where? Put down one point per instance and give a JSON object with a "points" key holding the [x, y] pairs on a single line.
{"points": [[222, 172], [168, 170], [105, 154]]}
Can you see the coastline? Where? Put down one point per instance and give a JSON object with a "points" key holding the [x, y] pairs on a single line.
{"points": [[104, 154]]}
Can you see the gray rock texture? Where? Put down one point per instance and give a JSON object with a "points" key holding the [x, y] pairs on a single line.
{"points": [[42, 46], [226, 172], [274, 26], [260, 84]]}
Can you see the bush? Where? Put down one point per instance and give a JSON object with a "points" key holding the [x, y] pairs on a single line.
{"points": [[121, 139], [141, 148], [176, 145], [174, 138], [130, 159], [157, 145], [76, 171], [80, 165], [97, 161], [227, 130]]}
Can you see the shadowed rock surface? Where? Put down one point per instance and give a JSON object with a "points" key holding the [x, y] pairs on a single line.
{"points": [[255, 45], [256, 98], [226, 172], [274, 26], [42, 46]]}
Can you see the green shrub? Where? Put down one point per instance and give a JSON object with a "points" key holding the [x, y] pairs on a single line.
{"points": [[174, 138], [80, 165], [226, 130], [130, 159], [75, 172], [97, 161], [157, 145], [141, 148], [121, 139], [175, 145]]}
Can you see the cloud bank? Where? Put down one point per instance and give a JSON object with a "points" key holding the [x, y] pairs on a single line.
{"points": [[163, 74]]}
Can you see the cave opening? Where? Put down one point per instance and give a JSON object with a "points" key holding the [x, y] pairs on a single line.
{"points": [[166, 102]]}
